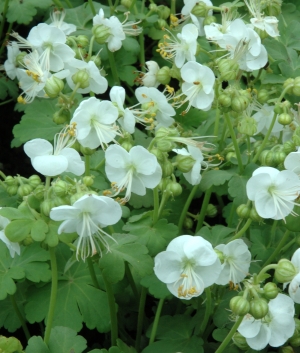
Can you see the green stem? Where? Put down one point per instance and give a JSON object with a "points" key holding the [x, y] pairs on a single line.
{"points": [[112, 310], [173, 7], [92, 7], [203, 208], [20, 316], [217, 123], [186, 207], [156, 320], [6, 37], [242, 230], [264, 270], [278, 248], [52, 295], [165, 197], [92, 273], [8, 101], [230, 335], [91, 46], [235, 144], [113, 67], [131, 281], [58, 3], [141, 316], [87, 160], [156, 205], [207, 311], [288, 245], [5, 8], [69, 4]]}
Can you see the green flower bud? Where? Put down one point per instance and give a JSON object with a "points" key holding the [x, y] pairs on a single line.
{"points": [[82, 77], [200, 9], [162, 186], [60, 188], [184, 163], [263, 96], [228, 69], [153, 7], [163, 12], [175, 73], [167, 168], [166, 132], [259, 308], [247, 125], [24, 190], [12, 190], [19, 59], [270, 290], [39, 192], [27, 241], [127, 3], [289, 146], [88, 180], [211, 210], [34, 180], [230, 155], [243, 211], [289, 82], [271, 7], [239, 306], [285, 271], [296, 136], [127, 145], [165, 145], [279, 157], [285, 119], [96, 59], [82, 40], [278, 109], [80, 53], [62, 117], [209, 20], [86, 150], [297, 325], [239, 103], [240, 341], [101, 33], [296, 88], [163, 75], [254, 216], [225, 100], [287, 349], [161, 23], [10, 181], [174, 188], [158, 154], [54, 86], [46, 206], [188, 223]]}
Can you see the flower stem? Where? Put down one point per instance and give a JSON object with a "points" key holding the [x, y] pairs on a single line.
{"points": [[156, 320], [165, 197], [186, 207], [112, 310], [52, 295], [207, 311], [264, 270], [8, 101], [141, 316], [92, 273], [278, 248], [58, 3], [20, 316], [230, 335], [92, 7], [242, 230], [156, 205], [113, 67], [235, 144], [203, 208], [69, 4], [6, 37]]}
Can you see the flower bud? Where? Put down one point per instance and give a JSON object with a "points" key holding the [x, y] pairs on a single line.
{"points": [[296, 88], [163, 75], [188, 223], [46, 206], [230, 155], [259, 308], [162, 186], [239, 306], [80, 53], [82, 77], [279, 157], [285, 119], [163, 12], [101, 33], [247, 125], [287, 349], [211, 210], [167, 168], [254, 216], [200, 9], [165, 145], [240, 341], [174, 188], [34, 180], [127, 3], [175, 73], [86, 150], [239, 103], [88, 180], [243, 211], [184, 163], [54, 86], [228, 69], [161, 23], [82, 40], [285, 271], [263, 96], [10, 181], [60, 188], [12, 190], [209, 20], [153, 7], [62, 117], [289, 146], [39, 192], [278, 108], [158, 154], [225, 100], [289, 82], [96, 59], [271, 7], [24, 190], [270, 290]]}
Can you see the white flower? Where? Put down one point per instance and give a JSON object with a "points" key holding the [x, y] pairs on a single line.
{"points": [[86, 217], [182, 50], [11, 65], [127, 119], [273, 191], [57, 18], [292, 161], [188, 265], [149, 79], [198, 85], [51, 161], [12, 247], [274, 329], [268, 23], [97, 83], [135, 170], [50, 43], [193, 176], [95, 123], [294, 285], [235, 261], [264, 117]]}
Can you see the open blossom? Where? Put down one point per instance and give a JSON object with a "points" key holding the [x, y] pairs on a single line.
{"points": [[57, 18], [294, 285], [235, 258], [11, 65], [12, 247], [95, 123], [273, 191], [87, 216], [274, 329], [51, 161], [188, 266], [149, 79], [292, 161], [134, 171], [264, 117]]}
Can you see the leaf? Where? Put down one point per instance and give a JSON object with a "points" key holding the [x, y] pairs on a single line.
{"points": [[7, 88], [64, 339], [37, 345], [37, 122], [156, 237], [216, 235], [39, 230], [157, 288], [18, 230], [23, 11], [237, 189], [214, 177], [6, 200]]}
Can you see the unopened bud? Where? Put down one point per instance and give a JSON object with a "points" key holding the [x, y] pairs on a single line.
{"points": [[285, 119], [240, 341], [167, 168], [96, 59], [101, 33], [60, 188], [270, 290], [174, 188], [82, 40], [9, 180], [239, 306], [34, 180], [24, 190], [285, 271], [211, 211], [184, 163], [247, 125], [82, 77], [239, 103], [86, 150], [163, 75], [263, 96], [228, 69], [163, 12], [88, 180], [209, 20], [243, 211], [62, 117], [259, 308], [54, 86], [200, 9]]}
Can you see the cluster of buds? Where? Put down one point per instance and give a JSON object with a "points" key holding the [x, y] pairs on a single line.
{"points": [[21, 186]]}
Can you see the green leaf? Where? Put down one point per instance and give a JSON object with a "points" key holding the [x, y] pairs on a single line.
{"points": [[113, 267], [18, 230], [215, 177], [10, 345], [237, 189], [39, 230], [221, 317], [156, 237], [64, 339], [124, 348], [157, 288], [37, 122], [292, 223], [14, 213], [23, 11], [7, 88], [291, 35], [216, 235], [220, 334], [37, 345], [6, 200]]}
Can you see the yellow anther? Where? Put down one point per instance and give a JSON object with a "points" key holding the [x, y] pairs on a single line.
{"points": [[21, 100]]}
